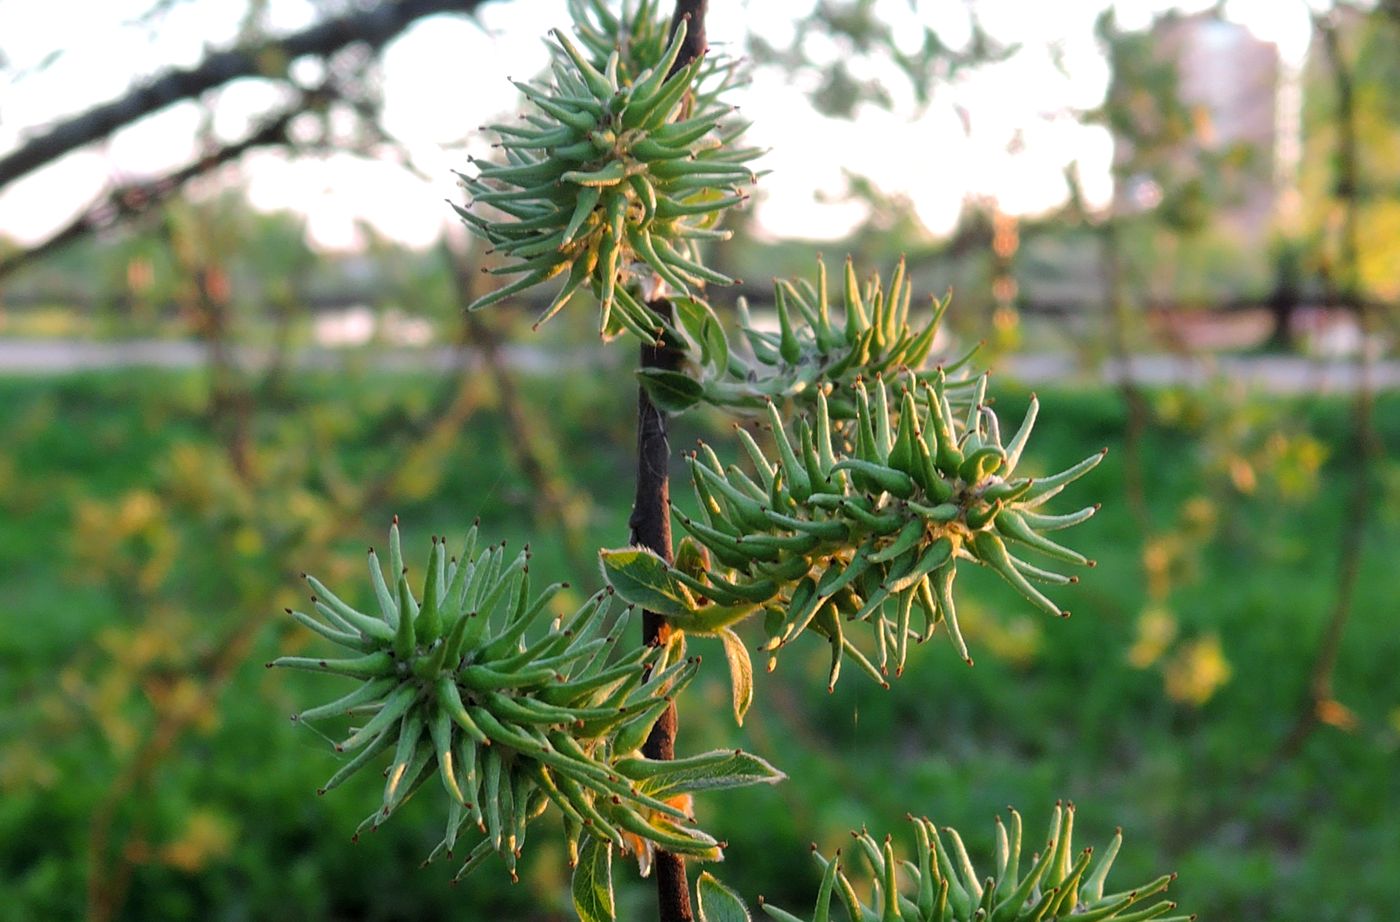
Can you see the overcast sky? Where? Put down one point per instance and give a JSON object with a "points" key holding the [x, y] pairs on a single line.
{"points": [[447, 75]]}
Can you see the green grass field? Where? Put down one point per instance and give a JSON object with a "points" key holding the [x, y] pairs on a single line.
{"points": [[148, 771]]}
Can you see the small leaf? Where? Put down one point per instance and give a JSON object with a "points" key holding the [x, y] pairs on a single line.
{"points": [[692, 557], [711, 620], [709, 771], [716, 344], [717, 903], [700, 322], [672, 391], [692, 314], [740, 673], [592, 887], [642, 578]]}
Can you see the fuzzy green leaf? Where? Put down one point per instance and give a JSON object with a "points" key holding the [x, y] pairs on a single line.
{"points": [[699, 320], [721, 768], [672, 391], [642, 578], [711, 620], [592, 885], [717, 903], [740, 673]]}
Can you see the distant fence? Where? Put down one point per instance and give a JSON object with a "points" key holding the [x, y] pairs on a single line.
{"points": [[757, 295]]}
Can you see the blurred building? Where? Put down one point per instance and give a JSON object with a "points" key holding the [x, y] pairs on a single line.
{"points": [[1227, 85]]}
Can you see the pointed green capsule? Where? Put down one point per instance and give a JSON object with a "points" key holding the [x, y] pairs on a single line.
{"points": [[788, 346], [903, 454]]}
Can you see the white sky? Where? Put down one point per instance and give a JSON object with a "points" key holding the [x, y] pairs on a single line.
{"points": [[447, 75]]}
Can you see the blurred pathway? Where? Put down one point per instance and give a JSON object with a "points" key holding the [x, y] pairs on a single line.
{"points": [[1275, 374], [65, 356]]}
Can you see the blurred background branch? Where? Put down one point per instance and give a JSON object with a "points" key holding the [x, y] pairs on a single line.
{"points": [[372, 26]]}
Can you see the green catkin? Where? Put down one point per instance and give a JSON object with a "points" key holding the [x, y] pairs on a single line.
{"points": [[948, 888], [606, 185], [872, 513], [465, 717]]}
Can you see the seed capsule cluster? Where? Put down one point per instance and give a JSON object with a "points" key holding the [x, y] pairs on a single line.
{"points": [[455, 684], [640, 34], [814, 345], [942, 885], [867, 521], [623, 169]]}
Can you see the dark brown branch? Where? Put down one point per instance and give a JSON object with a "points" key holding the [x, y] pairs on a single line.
{"points": [[134, 199], [651, 527], [651, 516], [205, 300], [373, 27], [695, 46]]}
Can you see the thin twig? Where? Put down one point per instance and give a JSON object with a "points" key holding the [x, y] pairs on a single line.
{"points": [[1135, 405], [1318, 695], [553, 504]]}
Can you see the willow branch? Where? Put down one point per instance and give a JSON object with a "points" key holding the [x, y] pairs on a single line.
{"points": [[1318, 704], [373, 27], [134, 199]]}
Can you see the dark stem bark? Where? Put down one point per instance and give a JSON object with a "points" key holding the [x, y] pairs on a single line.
{"points": [[651, 527], [651, 515], [694, 11]]}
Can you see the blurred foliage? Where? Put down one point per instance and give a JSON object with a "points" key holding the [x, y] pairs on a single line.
{"points": [[1177, 184], [1371, 43], [843, 49], [155, 560], [185, 507], [133, 280]]}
